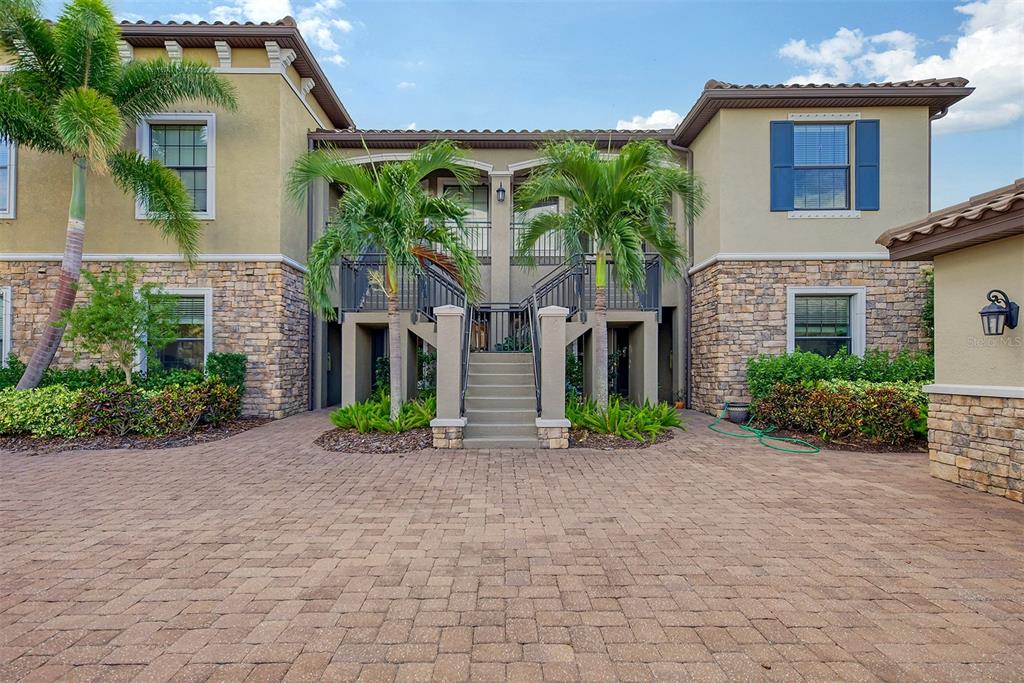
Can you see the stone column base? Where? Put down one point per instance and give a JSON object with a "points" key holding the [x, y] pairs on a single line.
{"points": [[553, 433], [447, 433], [976, 441]]}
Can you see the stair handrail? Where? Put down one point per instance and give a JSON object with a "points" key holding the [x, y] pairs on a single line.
{"points": [[435, 287], [467, 329], [535, 348]]}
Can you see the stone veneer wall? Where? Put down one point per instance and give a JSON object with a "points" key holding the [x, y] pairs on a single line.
{"points": [[258, 310], [739, 311], [978, 441]]}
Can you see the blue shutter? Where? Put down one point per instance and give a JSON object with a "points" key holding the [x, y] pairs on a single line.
{"points": [[782, 165], [866, 182]]}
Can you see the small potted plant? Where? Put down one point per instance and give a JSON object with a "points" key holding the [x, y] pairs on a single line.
{"points": [[679, 399], [739, 411]]}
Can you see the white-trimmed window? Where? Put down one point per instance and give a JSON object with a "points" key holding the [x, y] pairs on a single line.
{"points": [[5, 325], [825, 319], [185, 143], [194, 308], [478, 214], [8, 177]]}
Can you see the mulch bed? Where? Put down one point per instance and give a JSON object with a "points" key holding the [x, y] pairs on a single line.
{"points": [[581, 438], [28, 445], [351, 441]]}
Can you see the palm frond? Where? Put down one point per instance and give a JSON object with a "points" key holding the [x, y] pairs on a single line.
{"points": [[319, 281], [88, 123], [535, 228], [28, 37], [86, 36], [24, 120], [147, 86], [329, 165], [162, 192], [442, 155]]}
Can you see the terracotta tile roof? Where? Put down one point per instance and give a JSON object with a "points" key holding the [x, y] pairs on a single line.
{"points": [[284, 32], [937, 94], [479, 138], [984, 217]]}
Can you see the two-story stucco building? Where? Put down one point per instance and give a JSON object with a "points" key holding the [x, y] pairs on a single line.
{"points": [[800, 180]]}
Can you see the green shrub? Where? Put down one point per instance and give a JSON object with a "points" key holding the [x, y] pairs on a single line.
{"points": [[115, 410], [38, 412], [622, 418], [179, 409], [11, 373], [229, 367], [892, 413], [155, 380], [764, 372], [573, 375], [81, 378], [223, 403], [374, 415]]}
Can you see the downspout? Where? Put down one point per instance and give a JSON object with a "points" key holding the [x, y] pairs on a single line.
{"points": [[934, 117], [687, 285], [310, 145]]}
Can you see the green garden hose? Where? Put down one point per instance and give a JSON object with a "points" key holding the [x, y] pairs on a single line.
{"points": [[764, 436]]}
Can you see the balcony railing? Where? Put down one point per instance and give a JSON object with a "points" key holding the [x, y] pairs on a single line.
{"points": [[477, 238], [548, 250]]}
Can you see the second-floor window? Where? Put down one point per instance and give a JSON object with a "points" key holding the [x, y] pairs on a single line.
{"points": [[185, 143], [183, 148], [821, 166], [476, 199], [7, 180]]}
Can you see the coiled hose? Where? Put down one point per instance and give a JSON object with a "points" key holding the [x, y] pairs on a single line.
{"points": [[764, 436]]}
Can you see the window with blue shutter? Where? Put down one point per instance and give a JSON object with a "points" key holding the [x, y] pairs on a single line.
{"points": [[782, 165], [867, 160]]}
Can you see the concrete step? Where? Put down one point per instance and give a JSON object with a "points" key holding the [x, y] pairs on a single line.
{"points": [[495, 442], [500, 431], [501, 402], [491, 367], [500, 357], [506, 378], [502, 417], [500, 390]]}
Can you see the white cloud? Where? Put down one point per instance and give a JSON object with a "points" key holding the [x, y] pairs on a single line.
{"points": [[194, 18], [989, 51], [317, 20], [410, 126], [660, 118], [405, 85]]}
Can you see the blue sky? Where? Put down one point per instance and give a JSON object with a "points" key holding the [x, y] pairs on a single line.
{"points": [[603, 64]]}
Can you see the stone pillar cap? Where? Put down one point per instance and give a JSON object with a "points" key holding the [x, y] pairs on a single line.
{"points": [[448, 309], [553, 311]]}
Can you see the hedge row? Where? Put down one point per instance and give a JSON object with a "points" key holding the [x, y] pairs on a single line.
{"points": [[801, 367], [117, 410], [892, 413], [228, 367]]}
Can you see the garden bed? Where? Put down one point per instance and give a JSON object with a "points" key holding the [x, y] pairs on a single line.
{"points": [[582, 438], [352, 441], [856, 444], [30, 445]]}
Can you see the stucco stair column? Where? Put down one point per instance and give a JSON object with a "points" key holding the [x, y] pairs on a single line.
{"points": [[501, 404]]}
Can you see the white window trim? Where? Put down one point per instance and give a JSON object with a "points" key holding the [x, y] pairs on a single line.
{"points": [[207, 294], [824, 213], [857, 313], [5, 344], [12, 184], [826, 116], [143, 137]]}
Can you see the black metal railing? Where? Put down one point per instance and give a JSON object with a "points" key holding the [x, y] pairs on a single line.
{"points": [[363, 280], [547, 250], [645, 298], [435, 287], [477, 237], [500, 327]]}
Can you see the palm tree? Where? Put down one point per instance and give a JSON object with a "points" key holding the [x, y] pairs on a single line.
{"points": [[69, 95], [387, 208], [619, 205]]}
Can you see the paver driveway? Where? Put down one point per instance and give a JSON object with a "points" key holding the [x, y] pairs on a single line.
{"points": [[262, 557]]}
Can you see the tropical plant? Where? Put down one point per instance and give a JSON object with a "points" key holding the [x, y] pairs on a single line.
{"points": [[386, 207], [374, 415], [121, 317], [69, 94], [622, 418], [618, 206], [928, 309]]}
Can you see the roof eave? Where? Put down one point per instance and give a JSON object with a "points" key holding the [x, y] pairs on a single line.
{"points": [[712, 101], [477, 139]]}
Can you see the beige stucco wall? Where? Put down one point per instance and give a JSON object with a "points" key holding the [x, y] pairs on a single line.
{"points": [[739, 219], [255, 146], [963, 355]]}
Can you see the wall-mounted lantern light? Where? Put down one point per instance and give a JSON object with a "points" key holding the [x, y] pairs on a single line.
{"points": [[999, 313], [500, 192]]}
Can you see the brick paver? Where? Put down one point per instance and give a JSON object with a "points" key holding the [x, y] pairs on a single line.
{"points": [[263, 558]]}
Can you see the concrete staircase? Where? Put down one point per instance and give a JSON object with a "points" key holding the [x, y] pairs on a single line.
{"points": [[501, 404]]}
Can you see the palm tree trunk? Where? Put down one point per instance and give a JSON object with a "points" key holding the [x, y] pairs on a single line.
{"points": [[601, 331], [67, 285], [394, 343]]}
